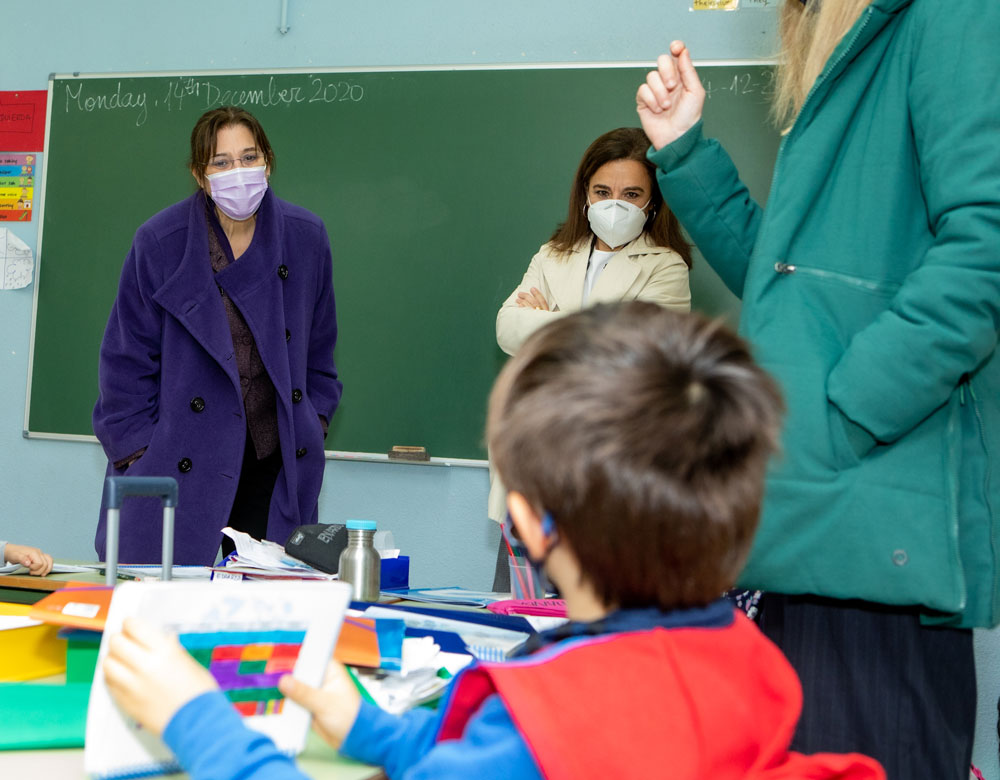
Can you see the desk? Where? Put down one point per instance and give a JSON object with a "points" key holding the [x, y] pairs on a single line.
{"points": [[318, 761], [26, 589]]}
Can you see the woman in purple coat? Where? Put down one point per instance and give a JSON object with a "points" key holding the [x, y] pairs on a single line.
{"points": [[216, 366]]}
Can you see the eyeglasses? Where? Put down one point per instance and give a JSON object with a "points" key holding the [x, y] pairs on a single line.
{"points": [[247, 160]]}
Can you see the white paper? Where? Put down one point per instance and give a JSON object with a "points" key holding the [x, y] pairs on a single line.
{"points": [[17, 621], [16, 261], [263, 555], [176, 572], [57, 568], [470, 633], [115, 744]]}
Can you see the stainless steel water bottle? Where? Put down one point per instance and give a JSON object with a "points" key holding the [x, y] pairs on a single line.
{"points": [[360, 563]]}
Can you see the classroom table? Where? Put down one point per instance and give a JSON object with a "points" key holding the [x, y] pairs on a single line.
{"points": [[26, 589], [318, 761]]}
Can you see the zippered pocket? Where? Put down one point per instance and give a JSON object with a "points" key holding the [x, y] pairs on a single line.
{"points": [[883, 289]]}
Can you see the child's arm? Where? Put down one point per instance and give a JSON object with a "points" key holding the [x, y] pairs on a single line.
{"points": [[211, 740], [491, 748], [406, 745], [31, 558]]}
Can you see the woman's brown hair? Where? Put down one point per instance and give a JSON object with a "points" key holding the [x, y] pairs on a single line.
{"points": [[206, 130], [625, 143]]}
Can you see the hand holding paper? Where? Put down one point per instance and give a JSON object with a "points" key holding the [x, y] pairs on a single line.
{"points": [[31, 558], [334, 705], [151, 676]]}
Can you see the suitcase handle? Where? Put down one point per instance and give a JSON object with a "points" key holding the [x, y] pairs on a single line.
{"points": [[116, 489]]}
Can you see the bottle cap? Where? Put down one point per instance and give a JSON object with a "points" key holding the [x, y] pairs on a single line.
{"points": [[360, 525]]}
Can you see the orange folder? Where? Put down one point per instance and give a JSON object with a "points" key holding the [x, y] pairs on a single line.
{"points": [[357, 644], [85, 607]]}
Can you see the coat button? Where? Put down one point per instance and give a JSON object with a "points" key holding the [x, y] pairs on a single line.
{"points": [[197, 404], [245, 381], [899, 557], [184, 465], [296, 395], [300, 452], [288, 335], [282, 271]]}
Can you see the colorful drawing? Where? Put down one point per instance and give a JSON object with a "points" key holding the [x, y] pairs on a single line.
{"points": [[247, 664], [17, 178]]}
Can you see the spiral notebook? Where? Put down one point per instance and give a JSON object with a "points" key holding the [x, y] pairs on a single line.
{"points": [[247, 635]]}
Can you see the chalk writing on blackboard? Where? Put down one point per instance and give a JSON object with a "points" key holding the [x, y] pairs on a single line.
{"points": [[201, 94], [759, 83]]}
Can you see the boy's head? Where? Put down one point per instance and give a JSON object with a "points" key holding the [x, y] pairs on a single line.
{"points": [[645, 434]]}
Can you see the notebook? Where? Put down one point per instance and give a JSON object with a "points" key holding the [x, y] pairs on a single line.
{"points": [[246, 635]]}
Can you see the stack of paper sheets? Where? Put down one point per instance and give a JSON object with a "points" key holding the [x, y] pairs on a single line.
{"points": [[266, 560]]}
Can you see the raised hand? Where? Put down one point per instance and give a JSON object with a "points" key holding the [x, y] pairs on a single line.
{"points": [[671, 101]]}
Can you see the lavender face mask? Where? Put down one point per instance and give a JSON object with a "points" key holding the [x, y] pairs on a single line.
{"points": [[238, 192]]}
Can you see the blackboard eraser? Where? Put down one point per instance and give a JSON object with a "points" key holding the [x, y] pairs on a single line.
{"points": [[399, 452]]}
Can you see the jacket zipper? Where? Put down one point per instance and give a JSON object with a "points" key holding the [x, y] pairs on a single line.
{"points": [[987, 478], [864, 284]]}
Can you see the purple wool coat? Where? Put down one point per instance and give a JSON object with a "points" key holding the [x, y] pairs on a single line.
{"points": [[169, 381]]}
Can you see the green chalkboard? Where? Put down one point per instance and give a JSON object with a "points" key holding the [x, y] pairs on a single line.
{"points": [[436, 187]]}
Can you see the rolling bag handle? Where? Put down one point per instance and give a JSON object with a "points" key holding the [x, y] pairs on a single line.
{"points": [[116, 489]]}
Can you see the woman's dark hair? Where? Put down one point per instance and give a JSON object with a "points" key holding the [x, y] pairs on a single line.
{"points": [[625, 143], [207, 128]]}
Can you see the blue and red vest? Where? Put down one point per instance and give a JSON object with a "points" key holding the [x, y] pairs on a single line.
{"points": [[688, 703]]}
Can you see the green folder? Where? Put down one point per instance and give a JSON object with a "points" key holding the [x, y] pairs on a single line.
{"points": [[43, 716]]}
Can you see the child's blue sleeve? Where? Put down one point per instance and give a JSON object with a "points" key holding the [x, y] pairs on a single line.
{"points": [[211, 742], [491, 746]]}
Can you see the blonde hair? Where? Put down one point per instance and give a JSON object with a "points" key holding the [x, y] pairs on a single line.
{"points": [[809, 34]]}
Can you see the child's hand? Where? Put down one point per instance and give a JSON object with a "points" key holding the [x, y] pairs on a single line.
{"points": [[334, 706], [151, 676], [31, 558]]}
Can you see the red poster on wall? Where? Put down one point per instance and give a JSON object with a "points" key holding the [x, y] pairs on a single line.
{"points": [[22, 120]]}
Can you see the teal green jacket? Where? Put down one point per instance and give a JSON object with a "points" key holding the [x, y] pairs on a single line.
{"points": [[871, 290]]}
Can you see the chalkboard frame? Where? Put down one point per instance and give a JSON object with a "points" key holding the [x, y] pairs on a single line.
{"points": [[438, 458]]}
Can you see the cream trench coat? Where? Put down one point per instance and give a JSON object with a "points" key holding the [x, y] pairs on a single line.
{"points": [[639, 271]]}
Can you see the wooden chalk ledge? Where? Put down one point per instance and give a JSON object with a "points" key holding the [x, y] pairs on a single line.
{"points": [[399, 452]]}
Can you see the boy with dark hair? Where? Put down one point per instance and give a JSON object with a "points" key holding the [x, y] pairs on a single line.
{"points": [[633, 441]]}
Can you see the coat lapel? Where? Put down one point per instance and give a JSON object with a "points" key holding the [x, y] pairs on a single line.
{"points": [[191, 296], [255, 286], [617, 276], [566, 277]]}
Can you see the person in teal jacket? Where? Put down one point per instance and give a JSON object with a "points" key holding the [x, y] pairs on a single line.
{"points": [[871, 289]]}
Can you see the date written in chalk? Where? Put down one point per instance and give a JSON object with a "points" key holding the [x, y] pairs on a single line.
{"points": [[187, 92]]}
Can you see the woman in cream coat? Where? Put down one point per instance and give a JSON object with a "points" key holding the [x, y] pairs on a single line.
{"points": [[620, 242]]}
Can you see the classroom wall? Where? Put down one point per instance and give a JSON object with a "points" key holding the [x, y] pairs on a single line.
{"points": [[50, 490]]}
